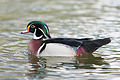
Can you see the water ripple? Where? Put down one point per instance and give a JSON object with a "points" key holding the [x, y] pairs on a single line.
{"points": [[73, 18]]}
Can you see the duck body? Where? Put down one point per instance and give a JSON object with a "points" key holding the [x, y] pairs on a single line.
{"points": [[43, 45], [65, 46]]}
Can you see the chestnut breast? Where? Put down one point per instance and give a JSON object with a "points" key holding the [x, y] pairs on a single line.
{"points": [[33, 46]]}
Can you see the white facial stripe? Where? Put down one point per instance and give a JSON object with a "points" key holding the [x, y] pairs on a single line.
{"points": [[46, 28], [35, 37], [43, 33]]}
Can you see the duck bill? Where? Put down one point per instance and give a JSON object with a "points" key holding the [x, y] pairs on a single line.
{"points": [[23, 32], [27, 31]]}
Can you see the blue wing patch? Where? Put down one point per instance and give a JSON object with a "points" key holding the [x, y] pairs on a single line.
{"points": [[78, 46], [79, 41], [75, 48]]}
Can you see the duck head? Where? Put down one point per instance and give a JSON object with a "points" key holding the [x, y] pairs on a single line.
{"points": [[39, 29]]}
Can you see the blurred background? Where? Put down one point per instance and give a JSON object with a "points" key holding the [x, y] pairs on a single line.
{"points": [[65, 18]]}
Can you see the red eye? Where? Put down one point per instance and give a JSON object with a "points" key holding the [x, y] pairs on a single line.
{"points": [[32, 26]]}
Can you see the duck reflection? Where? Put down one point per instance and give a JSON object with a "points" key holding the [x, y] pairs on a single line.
{"points": [[40, 67], [88, 62], [37, 67]]}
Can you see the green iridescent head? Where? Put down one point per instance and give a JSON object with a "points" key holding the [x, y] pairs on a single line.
{"points": [[39, 29]]}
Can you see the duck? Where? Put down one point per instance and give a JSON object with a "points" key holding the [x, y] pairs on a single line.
{"points": [[42, 44]]}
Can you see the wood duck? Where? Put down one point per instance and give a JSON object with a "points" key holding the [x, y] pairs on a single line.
{"points": [[43, 45]]}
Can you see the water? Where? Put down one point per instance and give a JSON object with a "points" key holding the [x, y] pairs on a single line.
{"points": [[73, 18]]}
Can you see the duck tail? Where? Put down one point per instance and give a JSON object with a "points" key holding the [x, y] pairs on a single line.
{"points": [[92, 45]]}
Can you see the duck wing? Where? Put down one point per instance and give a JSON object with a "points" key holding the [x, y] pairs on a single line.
{"points": [[87, 44], [67, 41]]}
